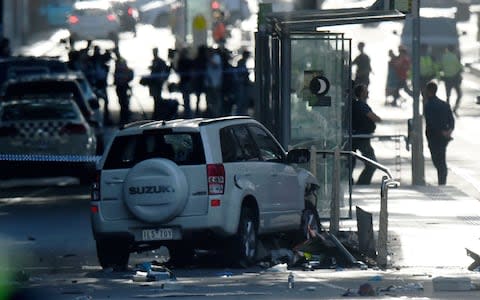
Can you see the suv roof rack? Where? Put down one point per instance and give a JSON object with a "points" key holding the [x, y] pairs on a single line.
{"points": [[137, 123], [221, 119]]}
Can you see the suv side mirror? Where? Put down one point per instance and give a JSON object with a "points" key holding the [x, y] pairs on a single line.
{"points": [[298, 156]]}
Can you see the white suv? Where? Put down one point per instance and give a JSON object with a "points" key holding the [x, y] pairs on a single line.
{"points": [[198, 184]]}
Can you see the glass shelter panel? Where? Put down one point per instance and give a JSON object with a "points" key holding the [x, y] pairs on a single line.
{"points": [[320, 78]]}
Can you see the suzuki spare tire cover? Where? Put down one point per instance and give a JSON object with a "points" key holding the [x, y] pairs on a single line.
{"points": [[156, 190]]}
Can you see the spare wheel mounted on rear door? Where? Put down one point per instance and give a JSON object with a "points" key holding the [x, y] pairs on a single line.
{"points": [[155, 190]]}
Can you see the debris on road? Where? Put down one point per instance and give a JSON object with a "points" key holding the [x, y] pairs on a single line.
{"points": [[152, 271]]}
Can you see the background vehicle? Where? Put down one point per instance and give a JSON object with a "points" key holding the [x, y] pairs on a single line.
{"points": [[436, 32], [198, 184], [158, 13], [55, 12], [58, 85], [48, 127], [19, 66], [92, 20], [127, 13]]}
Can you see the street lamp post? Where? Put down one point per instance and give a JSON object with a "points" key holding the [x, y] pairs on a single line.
{"points": [[418, 162]]}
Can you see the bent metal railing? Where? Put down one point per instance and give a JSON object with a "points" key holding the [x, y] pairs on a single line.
{"points": [[387, 182]]}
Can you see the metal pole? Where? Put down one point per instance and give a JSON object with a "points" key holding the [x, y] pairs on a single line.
{"points": [[418, 162], [335, 204], [382, 257]]}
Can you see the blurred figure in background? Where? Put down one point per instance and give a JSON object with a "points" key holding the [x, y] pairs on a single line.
{"points": [[122, 77], [100, 62], [213, 84], [452, 75], [402, 65], [242, 100], [362, 61], [428, 68], [159, 72], [391, 88], [184, 70], [199, 65]]}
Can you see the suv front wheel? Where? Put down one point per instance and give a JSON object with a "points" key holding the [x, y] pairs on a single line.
{"points": [[243, 250]]}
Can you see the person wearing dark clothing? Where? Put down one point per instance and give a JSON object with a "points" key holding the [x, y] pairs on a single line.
{"points": [[159, 72], [438, 130], [363, 123], [243, 85], [362, 61], [100, 62], [199, 66], [122, 77], [184, 70]]}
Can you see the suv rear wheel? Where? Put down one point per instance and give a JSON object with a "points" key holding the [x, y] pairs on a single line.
{"points": [[113, 253], [243, 249]]}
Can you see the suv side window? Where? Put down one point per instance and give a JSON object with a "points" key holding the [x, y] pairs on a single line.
{"points": [[231, 151], [269, 149], [246, 143]]}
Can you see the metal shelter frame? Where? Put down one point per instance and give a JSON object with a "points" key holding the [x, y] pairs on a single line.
{"points": [[273, 66]]}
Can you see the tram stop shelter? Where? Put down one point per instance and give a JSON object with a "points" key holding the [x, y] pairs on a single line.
{"points": [[303, 75]]}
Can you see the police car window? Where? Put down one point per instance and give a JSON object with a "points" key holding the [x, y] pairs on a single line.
{"points": [[269, 149], [42, 110], [246, 143]]}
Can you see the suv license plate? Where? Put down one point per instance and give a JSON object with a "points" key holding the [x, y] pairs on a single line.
{"points": [[157, 234]]}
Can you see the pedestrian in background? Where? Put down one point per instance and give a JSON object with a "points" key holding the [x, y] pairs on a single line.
{"points": [[362, 62], [159, 72], [363, 123], [242, 100], [199, 65], [403, 65], [213, 84], [184, 70], [122, 77], [438, 130], [100, 63], [391, 88], [452, 74], [428, 68]]}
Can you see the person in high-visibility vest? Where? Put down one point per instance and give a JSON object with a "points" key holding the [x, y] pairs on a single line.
{"points": [[452, 70], [428, 68]]}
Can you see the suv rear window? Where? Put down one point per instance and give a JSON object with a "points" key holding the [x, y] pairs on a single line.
{"points": [[181, 148]]}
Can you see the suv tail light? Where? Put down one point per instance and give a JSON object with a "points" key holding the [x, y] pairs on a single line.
{"points": [[73, 129], [216, 179], [112, 17], [73, 19]]}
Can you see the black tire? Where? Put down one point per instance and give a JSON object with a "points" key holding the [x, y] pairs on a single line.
{"points": [[113, 253], [181, 255], [310, 222], [243, 249]]}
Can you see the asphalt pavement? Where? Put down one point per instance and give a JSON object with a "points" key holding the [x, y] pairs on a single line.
{"points": [[429, 227]]}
